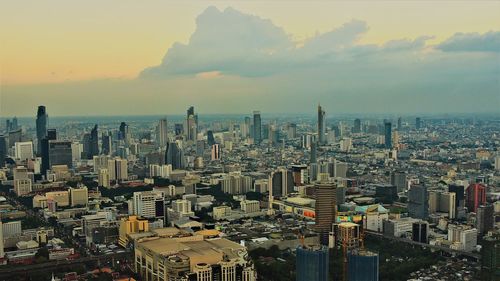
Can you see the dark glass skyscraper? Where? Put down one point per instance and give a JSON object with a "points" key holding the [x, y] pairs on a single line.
{"points": [[400, 124], [257, 128], [357, 126], [210, 138], [418, 202], [325, 210], [94, 142], [106, 143], [174, 156], [418, 123], [3, 150], [60, 153], [51, 135], [321, 125], [388, 134], [41, 127], [312, 263], [363, 265]]}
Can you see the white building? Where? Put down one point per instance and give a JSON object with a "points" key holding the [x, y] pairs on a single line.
{"points": [[23, 150], [146, 203], [250, 206]]}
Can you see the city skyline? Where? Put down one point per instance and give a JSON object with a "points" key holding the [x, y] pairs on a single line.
{"points": [[352, 60]]}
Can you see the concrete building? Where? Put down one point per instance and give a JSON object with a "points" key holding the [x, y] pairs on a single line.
{"points": [[23, 150], [325, 209], [221, 212], [463, 237], [131, 225], [148, 204], [250, 206], [60, 197], [79, 196], [192, 258]]}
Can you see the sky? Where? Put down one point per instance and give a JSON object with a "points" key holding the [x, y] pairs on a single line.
{"points": [[122, 57]]}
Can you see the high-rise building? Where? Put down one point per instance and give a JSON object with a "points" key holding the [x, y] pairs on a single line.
{"points": [[51, 136], [216, 152], [78, 196], [420, 231], [60, 153], [418, 202], [280, 183], [210, 138], [104, 177], [148, 204], [490, 258], [106, 144], [162, 133], [22, 181], [41, 127], [326, 210], [485, 220], [459, 191], [388, 134], [174, 156], [321, 126], [124, 134], [363, 265], [475, 196], [443, 202], [357, 126], [3, 150], [418, 123], [131, 225], [191, 124], [314, 153], [312, 263], [400, 125], [257, 128], [2, 253], [94, 142], [24, 150]]}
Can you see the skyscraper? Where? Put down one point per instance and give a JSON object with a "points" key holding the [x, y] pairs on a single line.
{"points": [[106, 144], [485, 219], [459, 191], [363, 265], [215, 152], [162, 133], [420, 231], [281, 183], [357, 126], [476, 196], [314, 153], [388, 134], [3, 150], [321, 125], [312, 263], [191, 124], [257, 128], [94, 142], [60, 153], [210, 138], [174, 156], [400, 124], [325, 210], [51, 135], [124, 133], [41, 127], [418, 202], [418, 123]]}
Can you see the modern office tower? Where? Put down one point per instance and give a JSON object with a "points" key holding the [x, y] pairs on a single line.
{"points": [[124, 134], [420, 231], [388, 134], [121, 172], [131, 225], [148, 204], [104, 179], [398, 179], [475, 196], [193, 259], [490, 258], [94, 142], [76, 150], [60, 153], [485, 219], [273, 135], [326, 210], [463, 237], [23, 150], [418, 202], [357, 126], [387, 193], [400, 124], [418, 123], [459, 191], [314, 153], [280, 183], [15, 136], [41, 127], [257, 128], [191, 128], [106, 144], [14, 124], [3, 150], [8, 126], [210, 138], [346, 235], [291, 131], [363, 265], [321, 126], [200, 147], [161, 171], [174, 156], [162, 133], [78, 196], [51, 136], [443, 202], [312, 263], [216, 152]]}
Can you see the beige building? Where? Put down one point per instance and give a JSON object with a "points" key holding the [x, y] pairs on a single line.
{"points": [[131, 225], [192, 258], [250, 206], [221, 212], [79, 196], [61, 197]]}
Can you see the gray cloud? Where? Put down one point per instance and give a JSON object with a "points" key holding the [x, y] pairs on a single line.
{"points": [[472, 42]]}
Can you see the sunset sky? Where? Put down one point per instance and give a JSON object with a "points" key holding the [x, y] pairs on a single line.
{"points": [[107, 57]]}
